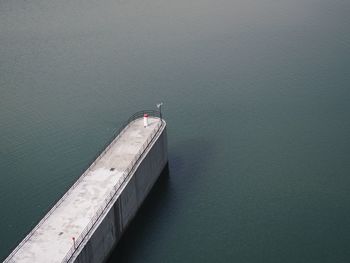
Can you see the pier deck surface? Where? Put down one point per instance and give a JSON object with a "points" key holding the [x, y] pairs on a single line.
{"points": [[53, 238]]}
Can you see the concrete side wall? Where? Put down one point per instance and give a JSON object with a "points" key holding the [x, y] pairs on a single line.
{"points": [[111, 228]]}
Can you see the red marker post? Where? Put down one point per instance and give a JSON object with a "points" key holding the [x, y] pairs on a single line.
{"points": [[74, 242], [145, 120]]}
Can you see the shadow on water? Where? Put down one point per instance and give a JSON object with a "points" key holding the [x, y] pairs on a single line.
{"points": [[163, 201], [151, 207]]}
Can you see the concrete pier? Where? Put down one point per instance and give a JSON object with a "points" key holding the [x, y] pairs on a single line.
{"points": [[90, 218]]}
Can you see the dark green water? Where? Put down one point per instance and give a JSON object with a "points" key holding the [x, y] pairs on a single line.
{"points": [[257, 102]]}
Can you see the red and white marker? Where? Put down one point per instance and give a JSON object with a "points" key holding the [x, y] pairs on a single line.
{"points": [[145, 120]]}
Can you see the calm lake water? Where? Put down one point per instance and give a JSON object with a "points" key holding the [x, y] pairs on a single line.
{"points": [[257, 101]]}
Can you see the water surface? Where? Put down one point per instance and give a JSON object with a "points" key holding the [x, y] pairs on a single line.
{"points": [[257, 103]]}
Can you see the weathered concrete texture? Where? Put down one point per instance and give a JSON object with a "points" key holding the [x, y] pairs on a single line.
{"points": [[110, 228], [52, 240]]}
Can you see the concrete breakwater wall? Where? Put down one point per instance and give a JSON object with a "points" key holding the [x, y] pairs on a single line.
{"points": [[89, 219], [110, 228]]}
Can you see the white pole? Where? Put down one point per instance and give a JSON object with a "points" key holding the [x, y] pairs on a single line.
{"points": [[159, 106]]}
